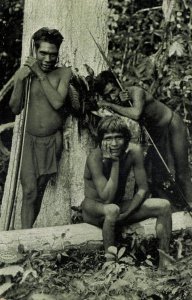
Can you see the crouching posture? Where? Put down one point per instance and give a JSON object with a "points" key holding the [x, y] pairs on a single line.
{"points": [[106, 203]]}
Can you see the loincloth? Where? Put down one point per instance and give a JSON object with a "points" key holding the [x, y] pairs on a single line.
{"points": [[39, 155]]}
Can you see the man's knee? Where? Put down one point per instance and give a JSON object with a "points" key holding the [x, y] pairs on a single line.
{"points": [[29, 191], [165, 207], [112, 211]]}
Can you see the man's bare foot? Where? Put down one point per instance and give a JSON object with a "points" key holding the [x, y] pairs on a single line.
{"points": [[165, 260]]}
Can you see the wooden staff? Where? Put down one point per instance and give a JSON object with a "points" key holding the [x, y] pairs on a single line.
{"points": [[12, 210]]}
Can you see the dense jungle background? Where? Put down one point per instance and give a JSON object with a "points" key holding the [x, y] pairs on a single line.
{"points": [[148, 46]]}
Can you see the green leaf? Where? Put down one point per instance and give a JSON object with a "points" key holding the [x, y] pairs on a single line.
{"points": [[121, 252], [79, 285], [176, 48], [127, 260], [110, 257], [118, 284], [175, 290], [112, 250], [110, 269], [119, 297], [107, 264], [149, 263], [28, 272], [167, 7]]}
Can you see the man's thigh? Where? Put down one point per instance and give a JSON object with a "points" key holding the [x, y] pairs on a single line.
{"points": [[150, 208], [28, 172], [93, 212]]}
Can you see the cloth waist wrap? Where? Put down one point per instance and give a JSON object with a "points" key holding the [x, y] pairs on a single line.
{"points": [[41, 153]]}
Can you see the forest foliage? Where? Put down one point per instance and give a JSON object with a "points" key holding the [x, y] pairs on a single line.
{"points": [[11, 20], [131, 273], [151, 49]]}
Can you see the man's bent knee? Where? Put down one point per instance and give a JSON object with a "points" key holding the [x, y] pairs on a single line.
{"points": [[165, 207], [111, 211]]}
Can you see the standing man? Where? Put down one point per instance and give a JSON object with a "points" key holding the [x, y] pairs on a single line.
{"points": [[43, 136], [106, 203], [164, 126]]}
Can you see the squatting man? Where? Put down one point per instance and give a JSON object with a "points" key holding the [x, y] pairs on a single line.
{"points": [[106, 203], [43, 136]]}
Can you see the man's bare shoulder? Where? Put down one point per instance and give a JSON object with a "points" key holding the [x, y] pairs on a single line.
{"points": [[94, 154], [134, 89], [139, 91], [63, 72]]}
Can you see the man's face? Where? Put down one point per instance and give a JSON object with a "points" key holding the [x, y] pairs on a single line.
{"points": [[114, 143], [46, 56], [111, 93]]}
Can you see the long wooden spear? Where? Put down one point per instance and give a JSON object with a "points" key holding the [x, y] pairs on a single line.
{"points": [[172, 179], [12, 210]]}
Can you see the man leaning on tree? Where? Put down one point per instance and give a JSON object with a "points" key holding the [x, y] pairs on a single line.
{"points": [[43, 135]]}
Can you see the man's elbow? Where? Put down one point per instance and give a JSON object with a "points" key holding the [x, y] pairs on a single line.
{"points": [[14, 108], [144, 192], [59, 103], [57, 106], [137, 116], [108, 198]]}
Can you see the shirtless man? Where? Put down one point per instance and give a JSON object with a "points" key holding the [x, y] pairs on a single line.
{"points": [[106, 203], [164, 126], [43, 138]]}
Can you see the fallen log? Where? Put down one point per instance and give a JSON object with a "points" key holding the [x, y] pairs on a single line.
{"points": [[76, 235]]}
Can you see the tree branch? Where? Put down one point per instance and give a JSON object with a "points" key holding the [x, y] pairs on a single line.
{"points": [[4, 127], [6, 88], [147, 9]]}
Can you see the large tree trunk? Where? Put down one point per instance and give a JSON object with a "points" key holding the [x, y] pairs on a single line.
{"points": [[72, 18]]}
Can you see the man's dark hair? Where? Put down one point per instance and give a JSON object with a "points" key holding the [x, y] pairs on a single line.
{"points": [[113, 124], [102, 80], [44, 34]]}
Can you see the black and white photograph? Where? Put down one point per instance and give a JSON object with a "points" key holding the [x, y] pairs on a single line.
{"points": [[95, 149]]}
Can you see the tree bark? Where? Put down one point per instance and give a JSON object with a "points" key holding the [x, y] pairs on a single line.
{"points": [[72, 18]]}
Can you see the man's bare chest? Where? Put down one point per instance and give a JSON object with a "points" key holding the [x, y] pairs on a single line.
{"points": [[38, 91]]}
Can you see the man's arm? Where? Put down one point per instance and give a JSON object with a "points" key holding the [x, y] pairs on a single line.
{"points": [[140, 180], [133, 112], [18, 90], [55, 96], [106, 189]]}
